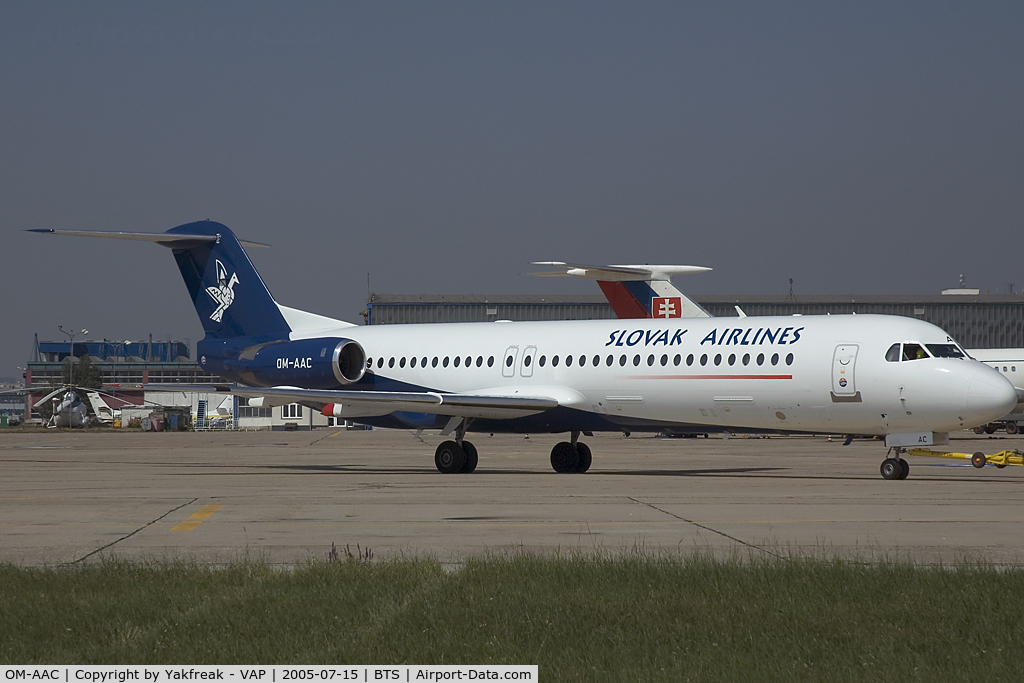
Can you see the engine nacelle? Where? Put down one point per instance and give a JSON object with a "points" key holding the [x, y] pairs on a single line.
{"points": [[322, 363]]}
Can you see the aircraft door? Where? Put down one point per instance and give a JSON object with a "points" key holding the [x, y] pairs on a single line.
{"points": [[529, 354], [843, 362], [508, 364]]}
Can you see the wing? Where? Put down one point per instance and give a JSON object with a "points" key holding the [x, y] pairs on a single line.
{"points": [[500, 403]]}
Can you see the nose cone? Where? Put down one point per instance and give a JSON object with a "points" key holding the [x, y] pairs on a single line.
{"points": [[990, 396]]}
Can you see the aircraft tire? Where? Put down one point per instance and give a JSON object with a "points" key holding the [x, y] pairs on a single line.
{"points": [[449, 457], [978, 460], [564, 457], [904, 469], [471, 457], [586, 458], [891, 469]]}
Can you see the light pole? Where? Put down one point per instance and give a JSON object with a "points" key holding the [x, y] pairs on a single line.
{"points": [[71, 350]]}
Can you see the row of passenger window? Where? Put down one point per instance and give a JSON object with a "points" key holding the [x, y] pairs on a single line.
{"points": [[704, 359], [433, 363], [652, 359]]}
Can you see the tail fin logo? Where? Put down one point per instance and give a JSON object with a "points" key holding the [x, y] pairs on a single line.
{"points": [[666, 307], [223, 294]]}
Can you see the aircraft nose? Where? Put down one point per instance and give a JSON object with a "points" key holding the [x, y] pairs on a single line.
{"points": [[991, 396]]}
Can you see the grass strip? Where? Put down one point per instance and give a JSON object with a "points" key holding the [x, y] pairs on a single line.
{"points": [[578, 618]]}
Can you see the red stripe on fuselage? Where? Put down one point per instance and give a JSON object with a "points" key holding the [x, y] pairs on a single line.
{"points": [[623, 303], [710, 377]]}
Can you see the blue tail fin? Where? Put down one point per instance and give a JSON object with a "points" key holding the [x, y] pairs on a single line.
{"points": [[229, 295]]}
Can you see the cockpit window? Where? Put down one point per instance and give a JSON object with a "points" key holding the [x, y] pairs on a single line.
{"points": [[914, 352], [946, 350], [893, 354]]}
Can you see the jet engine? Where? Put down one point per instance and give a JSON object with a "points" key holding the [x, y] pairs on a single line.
{"points": [[322, 363]]}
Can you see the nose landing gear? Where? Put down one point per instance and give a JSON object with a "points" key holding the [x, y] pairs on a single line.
{"points": [[895, 468]]}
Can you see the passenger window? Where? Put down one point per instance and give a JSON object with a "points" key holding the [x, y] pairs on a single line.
{"points": [[664, 359], [526, 361], [469, 361], [490, 361], [689, 359], [914, 352], [380, 362], [760, 359], [479, 361], [554, 361], [444, 363], [543, 360], [732, 359], [650, 360], [775, 359], [677, 359], [789, 359], [622, 360], [433, 363], [458, 359], [609, 360], [583, 361], [718, 359], [369, 362], [597, 361], [568, 361], [412, 362], [391, 362], [401, 363], [704, 359], [746, 359], [636, 360], [893, 354]]}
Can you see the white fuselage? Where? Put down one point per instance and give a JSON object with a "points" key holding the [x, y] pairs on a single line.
{"points": [[799, 373]]}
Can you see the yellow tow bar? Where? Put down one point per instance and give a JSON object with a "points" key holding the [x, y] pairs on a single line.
{"points": [[979, 459]]}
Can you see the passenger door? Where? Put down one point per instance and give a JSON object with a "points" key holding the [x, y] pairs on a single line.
{"points": [[844, 361]]}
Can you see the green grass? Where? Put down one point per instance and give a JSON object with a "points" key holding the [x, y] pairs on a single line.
{"points": [[578, 618]]}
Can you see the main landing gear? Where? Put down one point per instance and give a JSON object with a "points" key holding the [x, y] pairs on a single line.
{"points": [[895, 468], [571, 456], [460, 456], [453, 458]]}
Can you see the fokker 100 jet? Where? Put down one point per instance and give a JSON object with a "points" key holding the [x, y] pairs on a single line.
{"points": [[834, 374]]}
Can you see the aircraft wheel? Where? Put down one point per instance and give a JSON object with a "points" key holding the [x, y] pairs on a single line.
{"points": [[471, 457], [978, 460], [979, 429], [585, 457], [1011, 428], [990, 429], [891, 469], [904, 469], [449, 457], [564, 457]]}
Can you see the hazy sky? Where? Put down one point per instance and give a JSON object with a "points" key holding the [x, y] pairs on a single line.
{"points": [[440, 147]]}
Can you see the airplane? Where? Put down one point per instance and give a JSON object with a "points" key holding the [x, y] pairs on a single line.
{"points": [[855, 374]]}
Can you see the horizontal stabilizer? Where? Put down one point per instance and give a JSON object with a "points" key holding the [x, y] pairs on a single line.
{"points": [[616, 273], [164, 239]]}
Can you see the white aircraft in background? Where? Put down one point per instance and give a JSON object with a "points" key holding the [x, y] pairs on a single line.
{"points": [[839, 374]]}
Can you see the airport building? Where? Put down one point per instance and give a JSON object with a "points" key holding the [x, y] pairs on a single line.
{"points": [[976, 321]]}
